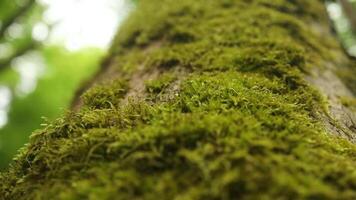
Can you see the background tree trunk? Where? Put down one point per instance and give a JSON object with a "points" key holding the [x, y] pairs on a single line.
{"points": [[205, 100], [349, 12]]}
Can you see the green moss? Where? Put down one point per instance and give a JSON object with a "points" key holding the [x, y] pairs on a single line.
{"points": [[157, 85], [225, 134], [242, 123], [347, 76], [106, 95], [349, 102]]}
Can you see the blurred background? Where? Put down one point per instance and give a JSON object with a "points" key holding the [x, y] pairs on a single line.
{"points": [[49, 47], [343, 14]]}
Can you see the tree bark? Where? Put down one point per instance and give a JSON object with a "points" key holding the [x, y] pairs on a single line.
{"points": [[205, 99], [349, 12]]}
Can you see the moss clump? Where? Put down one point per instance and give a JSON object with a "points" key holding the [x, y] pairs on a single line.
{"points": [[105, 95], [243, 123], [159, 84], [226, 134]]}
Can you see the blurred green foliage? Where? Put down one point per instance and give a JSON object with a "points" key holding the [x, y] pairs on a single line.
{"points": [[17, 21], [65, 71]]}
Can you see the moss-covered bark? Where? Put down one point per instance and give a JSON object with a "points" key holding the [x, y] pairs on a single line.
{"points": [[203, 99]]}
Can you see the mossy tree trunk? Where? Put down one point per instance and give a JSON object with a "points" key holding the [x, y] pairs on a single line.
{"points": [[203, 99]]}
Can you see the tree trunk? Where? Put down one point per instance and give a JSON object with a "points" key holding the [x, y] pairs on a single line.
{"points": [[203, 99], [349, 13]]}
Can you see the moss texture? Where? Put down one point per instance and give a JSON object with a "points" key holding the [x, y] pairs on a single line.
{"points": [[241, 123]]}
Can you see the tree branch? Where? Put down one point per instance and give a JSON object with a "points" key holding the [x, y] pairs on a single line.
{"points": [[15, 16], [21, 51]]}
